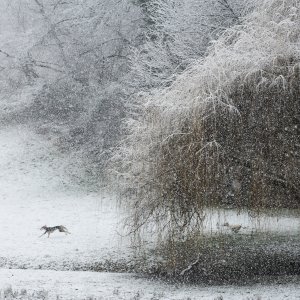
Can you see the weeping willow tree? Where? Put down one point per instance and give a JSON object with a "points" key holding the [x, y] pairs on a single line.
{"points": [[226, 132]]}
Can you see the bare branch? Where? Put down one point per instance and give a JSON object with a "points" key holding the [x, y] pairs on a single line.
{"points": [[227, 6], [193, 264], [48, 67], [6, 54]]}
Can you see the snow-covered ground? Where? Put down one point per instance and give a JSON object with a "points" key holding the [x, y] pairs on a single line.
{"points": [[79, 285], [283, 222], [34, 191]]}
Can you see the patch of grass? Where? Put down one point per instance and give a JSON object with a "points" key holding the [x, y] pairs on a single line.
{"points": [[10, 294], [230, 258], [107, 265]]}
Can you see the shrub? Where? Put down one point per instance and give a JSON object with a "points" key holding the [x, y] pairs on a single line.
{"points": [[226, 132]]}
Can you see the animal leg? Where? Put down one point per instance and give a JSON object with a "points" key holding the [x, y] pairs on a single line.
{"points": [[42, 234]]}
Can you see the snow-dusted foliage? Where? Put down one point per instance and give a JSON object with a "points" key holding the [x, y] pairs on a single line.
{"points": [[68, 69], [225, 132], [72, 67], [177, 32], [16, 71]]}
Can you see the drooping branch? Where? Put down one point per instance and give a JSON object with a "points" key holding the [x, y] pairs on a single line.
{"points": [[191, 266]]}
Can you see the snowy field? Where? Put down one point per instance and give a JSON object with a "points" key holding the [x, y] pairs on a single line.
{"points": [[34, 192], [80, 285]]}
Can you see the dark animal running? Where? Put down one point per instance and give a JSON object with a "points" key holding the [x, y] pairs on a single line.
{"points": [[49, 230]]}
